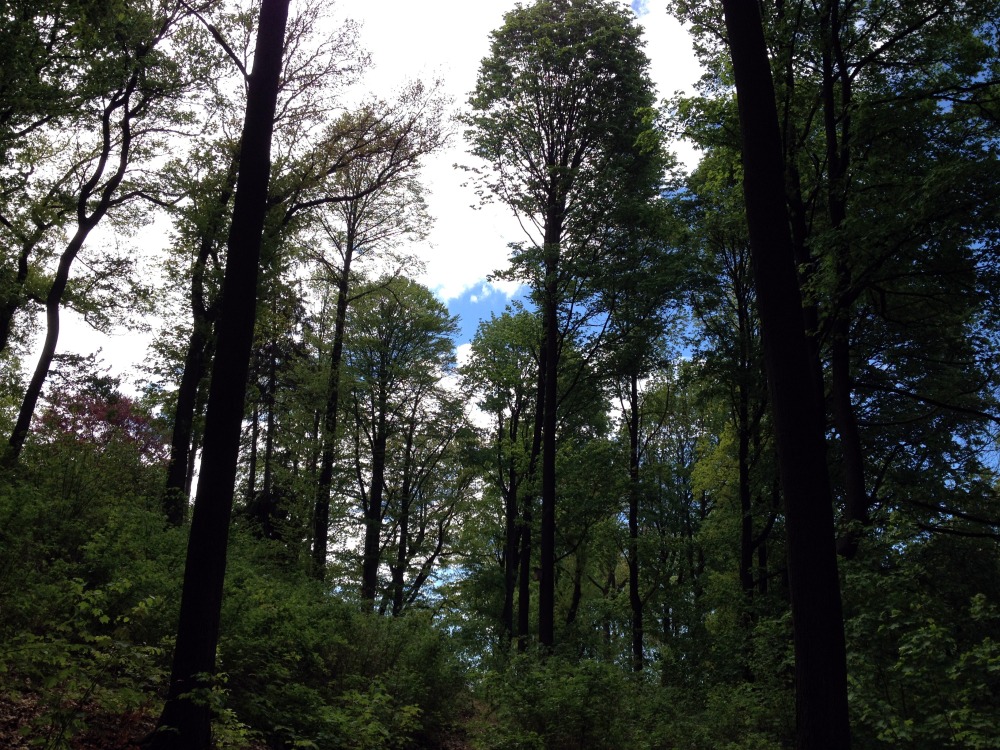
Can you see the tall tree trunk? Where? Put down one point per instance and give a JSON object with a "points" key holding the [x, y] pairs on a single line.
{"points": [[263, 504], [53, 302], [373, 513], [634, 595], [321, 509], [175, 499], [797, 405], [196, 363], [512, 528], [550, 327], [527, 514], [524, 576], [837, 129], [185, 723], [118, 105], [402, 548]]}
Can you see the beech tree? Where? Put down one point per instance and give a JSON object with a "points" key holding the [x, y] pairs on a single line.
{"points": [[559, 115], [186, 718], [321, 61], [375, 204], [796, 400], [399, 349], [886, 116], [140, 94], [502, 366]]}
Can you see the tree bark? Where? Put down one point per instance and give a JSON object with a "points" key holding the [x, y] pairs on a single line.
{"points": [[405, 500], [634, 595], [837, 129], [373, 513], [550, 327], [797, 404], [85, 223], [186, 719], [512, 529], [196, 364], [175, 498], [321, 510]]}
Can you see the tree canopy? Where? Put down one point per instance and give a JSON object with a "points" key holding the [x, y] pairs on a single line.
{"points": [[721, 474]]}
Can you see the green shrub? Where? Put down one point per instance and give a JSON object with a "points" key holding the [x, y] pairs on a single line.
{"points": [[555, 703]]}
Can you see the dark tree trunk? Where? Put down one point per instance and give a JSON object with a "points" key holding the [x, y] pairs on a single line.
{"points": [[196, 360], [403, 547], [527, 516], [634, 595], [577, 596], [252, 458], [550, 328], [524, 577], [119, 105], [185, 723], [746, 499], [373, 514], [512, 529], [18, 296], [797, 404], [321, 510], [264, 505], [837, 128], [53, 302], [196, 363]]}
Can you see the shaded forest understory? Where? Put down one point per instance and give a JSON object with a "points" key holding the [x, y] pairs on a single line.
{"points": [[577, 535]]}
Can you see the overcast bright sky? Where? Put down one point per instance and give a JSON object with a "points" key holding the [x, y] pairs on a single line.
{"points": [[446, 39]]}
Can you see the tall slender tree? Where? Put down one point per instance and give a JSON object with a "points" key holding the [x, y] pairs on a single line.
{"points": [[796, 401], [559, 113], [186, 718], [379, 205]]}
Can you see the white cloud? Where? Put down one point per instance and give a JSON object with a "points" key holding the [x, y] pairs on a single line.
{"points": [[462, 353]]}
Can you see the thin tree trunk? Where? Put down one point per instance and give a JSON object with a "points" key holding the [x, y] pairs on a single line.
{"points": [[837, 128], [373, 513], [185, 723], [527, 516], [797, 404], [263, 506], [634, 595], [402, 549], [512, 529], [547, 543], [53, 303], [175, 499], [196, 363], [321, 509]]}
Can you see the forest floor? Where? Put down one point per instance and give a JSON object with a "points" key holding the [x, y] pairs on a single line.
{"points": [[22, 726]]}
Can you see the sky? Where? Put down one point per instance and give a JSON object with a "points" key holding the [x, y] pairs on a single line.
{"points": [[445, 39], [449, 38]]}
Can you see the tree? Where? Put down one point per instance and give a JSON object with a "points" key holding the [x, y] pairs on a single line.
{"points": [[499, 373], [796, 402], [399, 349], [186, 718], [378, 206], [320, 62], [142, 94], [558, 114], [60, 61]]}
